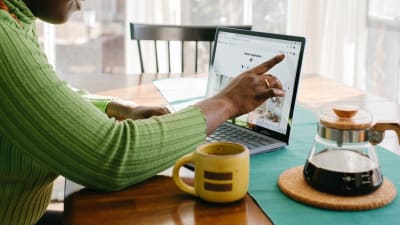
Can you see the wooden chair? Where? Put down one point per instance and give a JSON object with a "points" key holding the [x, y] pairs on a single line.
{"points": [[168, 33]]}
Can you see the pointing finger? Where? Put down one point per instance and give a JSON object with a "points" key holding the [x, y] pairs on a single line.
{"points": [[267, 65]]}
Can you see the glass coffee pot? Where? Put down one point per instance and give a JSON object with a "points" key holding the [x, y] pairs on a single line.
{"points": [[342, 159]]}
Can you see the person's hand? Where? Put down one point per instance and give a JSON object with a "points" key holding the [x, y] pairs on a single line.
{"points": [[143, 112], [250, 89], [243, 94], [122, 110]]}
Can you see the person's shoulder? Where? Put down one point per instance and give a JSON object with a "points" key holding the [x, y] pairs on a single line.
{"points": [[15, 42], [5, 17], [7, 22], [12, 31]]}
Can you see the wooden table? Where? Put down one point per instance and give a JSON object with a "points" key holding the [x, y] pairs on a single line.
{"points": [[157, 200]]}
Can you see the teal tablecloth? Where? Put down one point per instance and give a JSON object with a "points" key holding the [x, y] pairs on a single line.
{"points": [[282, 210]]}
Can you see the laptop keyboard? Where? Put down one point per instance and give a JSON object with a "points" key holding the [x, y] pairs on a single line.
{"points": [[231, 133]]}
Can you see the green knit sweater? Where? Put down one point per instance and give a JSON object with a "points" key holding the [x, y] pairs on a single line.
{"points": [[46, 130]]}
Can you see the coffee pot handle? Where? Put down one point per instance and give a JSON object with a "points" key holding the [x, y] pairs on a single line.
{"points": [[379, 128]]}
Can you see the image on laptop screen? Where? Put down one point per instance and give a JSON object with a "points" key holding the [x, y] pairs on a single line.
{"points": [[236, 51]]}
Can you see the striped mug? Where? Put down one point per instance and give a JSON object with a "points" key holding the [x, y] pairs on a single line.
{"points": [[221, 172]]}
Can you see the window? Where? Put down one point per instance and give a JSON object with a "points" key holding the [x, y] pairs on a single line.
{"points": [[383, 58], [364, 53], [94, 40]]}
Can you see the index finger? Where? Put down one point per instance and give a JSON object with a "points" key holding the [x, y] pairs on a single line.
{"points": [[267, 65]]}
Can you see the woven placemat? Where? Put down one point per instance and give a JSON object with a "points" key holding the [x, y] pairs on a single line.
{"points": [[292, 183]]}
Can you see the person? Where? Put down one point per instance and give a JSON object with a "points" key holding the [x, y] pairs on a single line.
{"points": [[48, 130]]}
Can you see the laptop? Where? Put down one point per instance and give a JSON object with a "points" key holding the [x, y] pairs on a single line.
{"points": [[267, 128]]}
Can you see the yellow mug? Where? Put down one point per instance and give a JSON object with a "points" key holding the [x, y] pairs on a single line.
{"points": [[221, 172]]}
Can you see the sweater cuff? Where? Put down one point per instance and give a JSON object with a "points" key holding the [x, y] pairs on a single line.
{"points": [[101, 104]]}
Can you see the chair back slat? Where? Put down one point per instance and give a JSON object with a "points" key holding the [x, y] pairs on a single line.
{"points": [[156, 55], [182, 56], [195, 57], [140, 56], [169, 57]]}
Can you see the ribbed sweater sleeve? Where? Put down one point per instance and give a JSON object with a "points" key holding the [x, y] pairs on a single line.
{"points": [[48, 122]]}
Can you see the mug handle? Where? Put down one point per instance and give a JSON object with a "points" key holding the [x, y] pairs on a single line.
{"points": [[177, 179]]}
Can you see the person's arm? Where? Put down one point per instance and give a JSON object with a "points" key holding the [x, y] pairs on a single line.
{"points": [[243, 94], [50, 124], [121, 109]]}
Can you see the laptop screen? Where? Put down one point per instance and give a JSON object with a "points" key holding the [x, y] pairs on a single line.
{"points": [[236, 51]]}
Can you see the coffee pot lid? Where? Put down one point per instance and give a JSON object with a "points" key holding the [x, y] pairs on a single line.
{"points": [[345, 117]]}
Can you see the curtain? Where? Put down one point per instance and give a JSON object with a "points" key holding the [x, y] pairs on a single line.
{"points": [[336, 33], [149, 11]]}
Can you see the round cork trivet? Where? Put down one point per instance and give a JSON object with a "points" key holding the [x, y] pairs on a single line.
{"points": [[292, 183]]}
